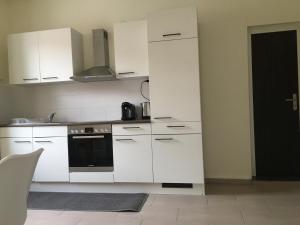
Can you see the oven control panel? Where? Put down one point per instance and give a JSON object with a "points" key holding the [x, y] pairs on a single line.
{"points": [[90, 129]]}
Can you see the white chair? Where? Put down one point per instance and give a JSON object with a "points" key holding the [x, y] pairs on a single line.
{"points": [[16, 172]]}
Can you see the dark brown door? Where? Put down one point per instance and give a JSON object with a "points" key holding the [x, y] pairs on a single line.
{"points": [[275, 98]]}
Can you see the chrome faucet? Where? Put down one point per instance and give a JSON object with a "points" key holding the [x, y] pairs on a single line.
{"points": [[51, 117]]}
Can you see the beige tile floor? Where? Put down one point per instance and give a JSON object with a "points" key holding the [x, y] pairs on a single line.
{"points": [[261, 203]]}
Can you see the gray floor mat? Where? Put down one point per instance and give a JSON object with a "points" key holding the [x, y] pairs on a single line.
{"points": [[108, 202]]}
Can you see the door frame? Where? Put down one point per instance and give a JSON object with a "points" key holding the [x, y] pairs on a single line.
{"points": [[258, 30]]}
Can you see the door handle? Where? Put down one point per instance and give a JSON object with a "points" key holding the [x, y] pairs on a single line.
{"points": [[294, 100], [173, 34], [126, 73], [89, 137], [129, 139], [20, 142], [43, 142], [49, 78], [29, 79], [164, 139]]}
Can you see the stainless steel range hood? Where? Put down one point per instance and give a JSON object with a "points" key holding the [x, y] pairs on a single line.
{"points": [[101, 70]]}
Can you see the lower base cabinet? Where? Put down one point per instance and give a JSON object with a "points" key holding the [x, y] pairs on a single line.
{"points": [[177, 158], [133, 159], [11, 146], [53, 163]]}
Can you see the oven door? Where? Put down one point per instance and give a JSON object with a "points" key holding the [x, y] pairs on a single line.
{"points": [[90, 153]]}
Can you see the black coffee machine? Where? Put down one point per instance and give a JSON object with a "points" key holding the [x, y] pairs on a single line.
{"points": [[128, 111]]}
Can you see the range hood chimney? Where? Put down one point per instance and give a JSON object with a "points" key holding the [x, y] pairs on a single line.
{"points": [[101, 70]]}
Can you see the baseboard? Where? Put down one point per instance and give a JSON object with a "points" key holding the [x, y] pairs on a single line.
{"points": [[227, 181], [198, 189]]}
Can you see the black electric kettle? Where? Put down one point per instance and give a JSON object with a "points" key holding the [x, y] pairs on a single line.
{"points": [[128, 111]]}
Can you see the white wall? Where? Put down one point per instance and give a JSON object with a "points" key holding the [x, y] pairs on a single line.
{"points": [[5, 98], [223, 58], [78, 101]]}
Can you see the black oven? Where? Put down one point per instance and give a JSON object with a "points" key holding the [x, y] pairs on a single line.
{"points": [[90, 148]]}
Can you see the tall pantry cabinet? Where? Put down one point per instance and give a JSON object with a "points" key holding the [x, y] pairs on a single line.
{"points": [[175, 96]]}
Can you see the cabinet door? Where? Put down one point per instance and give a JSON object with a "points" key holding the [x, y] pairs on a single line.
{"points": [[131, 49], [173, 24], [55, 55], [53, 163], [23, 54], [177, 158], [133, 159], [174, 80], [11, 146]]}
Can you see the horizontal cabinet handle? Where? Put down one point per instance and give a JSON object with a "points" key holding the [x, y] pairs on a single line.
{"points": [[173, 34], [89, 137], [43, 141], [128, 128], [125, 73], [164, 139], [163, 118], [19, 142], [29, 79], [171, 126], [49, 78], [124, 139]]}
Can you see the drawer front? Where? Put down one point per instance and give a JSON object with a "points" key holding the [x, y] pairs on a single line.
{"points": [[177, 128], [92, 177], [177, 158], [50, 131], [131, 129], [173, 24], [11, 146], [17, 132]]}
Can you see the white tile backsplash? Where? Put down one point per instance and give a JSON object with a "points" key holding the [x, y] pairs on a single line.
{"points": [[77, 101]]}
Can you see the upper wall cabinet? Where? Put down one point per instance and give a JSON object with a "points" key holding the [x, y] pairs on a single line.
{"points": [[131, 49], [60, 54], [23, 54], [173, 24], [44, 56]]}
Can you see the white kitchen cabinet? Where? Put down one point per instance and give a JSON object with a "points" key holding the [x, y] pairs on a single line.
{"points": [[23, 54], [11, 146], [45, 56], [177, 158], [177, 128], [53, 163], [173, 24], [91, 177], [133, 159], [131, 49], [60, 54], [131, 129], [174, 80], [16, 132]]}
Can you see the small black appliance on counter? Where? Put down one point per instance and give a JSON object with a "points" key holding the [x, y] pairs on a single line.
{"points": [[128, 111]]}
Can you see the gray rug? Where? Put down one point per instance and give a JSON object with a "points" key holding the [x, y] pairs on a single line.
{"points": [[86, 201]]}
